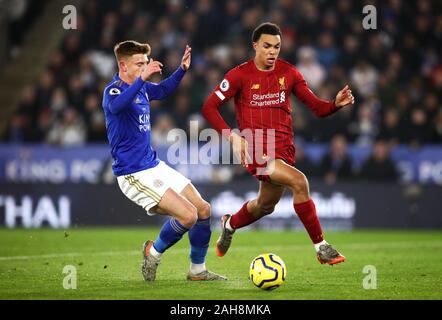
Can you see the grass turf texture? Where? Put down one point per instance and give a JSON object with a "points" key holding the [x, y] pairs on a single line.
{"points": [[108, 260]]}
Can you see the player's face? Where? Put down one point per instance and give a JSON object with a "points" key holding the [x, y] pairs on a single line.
{"points": [[267, 50], [133, 66]]}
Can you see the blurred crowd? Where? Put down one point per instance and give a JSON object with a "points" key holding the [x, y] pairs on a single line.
{"points": [[19, 17], [395, 71]]}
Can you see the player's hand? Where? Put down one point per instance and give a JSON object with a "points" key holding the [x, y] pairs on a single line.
{"points": [[185, 62], [344, 97], [151, 68], [240, 149]]}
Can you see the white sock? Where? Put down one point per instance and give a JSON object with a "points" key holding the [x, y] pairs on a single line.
{"points": [[317, 245], [196, 268], [228, 226], [154, 252]]}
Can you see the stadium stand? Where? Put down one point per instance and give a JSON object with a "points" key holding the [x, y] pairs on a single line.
{"points": [[395, 72]]}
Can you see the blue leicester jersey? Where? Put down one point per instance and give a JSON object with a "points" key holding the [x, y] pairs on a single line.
{"points": [[127, 112]]}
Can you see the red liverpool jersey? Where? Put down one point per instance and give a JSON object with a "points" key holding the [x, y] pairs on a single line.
{"points": [[262, 104]]}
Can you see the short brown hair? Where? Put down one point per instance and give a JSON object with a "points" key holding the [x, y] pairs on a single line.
{"points": [[129, 48]]}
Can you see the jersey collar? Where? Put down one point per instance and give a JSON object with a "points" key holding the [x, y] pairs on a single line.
{"points": [[117, 78]]}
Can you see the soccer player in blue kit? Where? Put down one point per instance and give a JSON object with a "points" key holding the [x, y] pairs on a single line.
{"points": [[142, 177]]}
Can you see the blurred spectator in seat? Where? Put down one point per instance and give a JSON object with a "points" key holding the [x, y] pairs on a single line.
{"points": [[22, 127], [44, 125], [189, 25], [417, 130], [301, 125], [138, 31], [379, 165], [436, 77], [167, 34], [111, 26], [336, 163], [431, 105], [390, 129], [328, 52], [181, 110], [364, 129], [87, 73], [19, 130], [232, 18], [28, 102], [58, 102], [76, 93], [350, 52], [436, 132], [126, 15], [309, 67], [364, 77], [304, 163], [57, 67], [103, 59], [72, 48], [322, 129], [309, 19], [209, 23], [94, 119], [163, 124], [376, 52], [44, 88], [68, 132]]}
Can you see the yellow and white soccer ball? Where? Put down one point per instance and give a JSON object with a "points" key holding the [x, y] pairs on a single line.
{"points": [[267, 271]]}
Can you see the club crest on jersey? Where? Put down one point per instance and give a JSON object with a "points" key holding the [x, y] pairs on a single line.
{"points": [[255, 86], [224, 86], [281, 82], [114, 91]]}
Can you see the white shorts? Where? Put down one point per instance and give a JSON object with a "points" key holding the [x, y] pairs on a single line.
{"points": [[147, 187]]}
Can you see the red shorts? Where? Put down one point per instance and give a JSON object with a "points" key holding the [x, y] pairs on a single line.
{"points": [[287, 154]]}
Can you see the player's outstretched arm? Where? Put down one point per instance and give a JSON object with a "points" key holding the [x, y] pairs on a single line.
{"points": [[162, 90], [321, 108], [118, 100]]}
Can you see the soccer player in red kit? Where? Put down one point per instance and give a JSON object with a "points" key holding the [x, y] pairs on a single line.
{"points": [[261, 89]]}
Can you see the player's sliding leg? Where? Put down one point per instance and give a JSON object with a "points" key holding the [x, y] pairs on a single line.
{"points": [[268, 196], [199, 236], [183, 217], [304, 206]]}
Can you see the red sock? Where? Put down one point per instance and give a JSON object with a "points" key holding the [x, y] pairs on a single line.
{"points": [[307, 214], [242, 218]]}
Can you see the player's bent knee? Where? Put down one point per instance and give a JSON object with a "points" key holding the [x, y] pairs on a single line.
{"points": [[299, 184], [190, 217], [204, 210]]}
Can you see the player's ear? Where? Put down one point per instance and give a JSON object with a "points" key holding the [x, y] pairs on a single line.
{"points": [[255, 45], [122, 65]]}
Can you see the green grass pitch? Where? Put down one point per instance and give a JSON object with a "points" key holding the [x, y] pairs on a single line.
{"points": [[408, 265]]}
